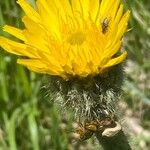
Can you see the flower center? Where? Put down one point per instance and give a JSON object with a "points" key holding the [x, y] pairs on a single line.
{"points": [[77, 38]]}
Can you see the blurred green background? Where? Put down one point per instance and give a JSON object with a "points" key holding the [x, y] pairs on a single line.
{"points": [[28, 121]]}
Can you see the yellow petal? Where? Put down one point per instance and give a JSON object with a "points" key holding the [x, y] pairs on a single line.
{"points": [[116, 60], [122, 26], [115, 8], [33, 65], [76, 6], [119, 14], [63, 6], [15, 32], [94, 8], [85, 8], [105, 7], [30, 12], [37, 65], [112, 50], [49, 17], [16, 48]]}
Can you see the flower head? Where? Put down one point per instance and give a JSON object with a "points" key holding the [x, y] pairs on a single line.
{"points": [[69, 37]]}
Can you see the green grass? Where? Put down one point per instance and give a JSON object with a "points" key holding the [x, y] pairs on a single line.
{"points": [[27, 118]]}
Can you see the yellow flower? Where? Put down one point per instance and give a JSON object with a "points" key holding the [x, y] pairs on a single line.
{"points": [[69, 37]]}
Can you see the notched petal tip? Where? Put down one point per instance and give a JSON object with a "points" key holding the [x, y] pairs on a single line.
{"points": [[18, 33], [29, 11]]}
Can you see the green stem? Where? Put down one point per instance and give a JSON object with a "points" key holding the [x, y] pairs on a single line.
{"points": [[117, 142]]}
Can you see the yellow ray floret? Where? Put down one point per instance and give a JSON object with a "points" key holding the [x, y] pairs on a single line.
{"points": [[69, 37]]}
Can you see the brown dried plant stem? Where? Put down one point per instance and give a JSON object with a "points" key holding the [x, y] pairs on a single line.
{"points": [[117, 142]]}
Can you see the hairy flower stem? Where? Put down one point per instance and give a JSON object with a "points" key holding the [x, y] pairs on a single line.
{"points": [[117, 142]]}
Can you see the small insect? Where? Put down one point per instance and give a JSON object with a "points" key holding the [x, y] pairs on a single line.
{"points": [[104, 25]]}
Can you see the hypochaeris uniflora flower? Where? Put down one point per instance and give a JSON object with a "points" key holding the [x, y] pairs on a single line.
{"points": [[78, 44], [69, 37]]}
